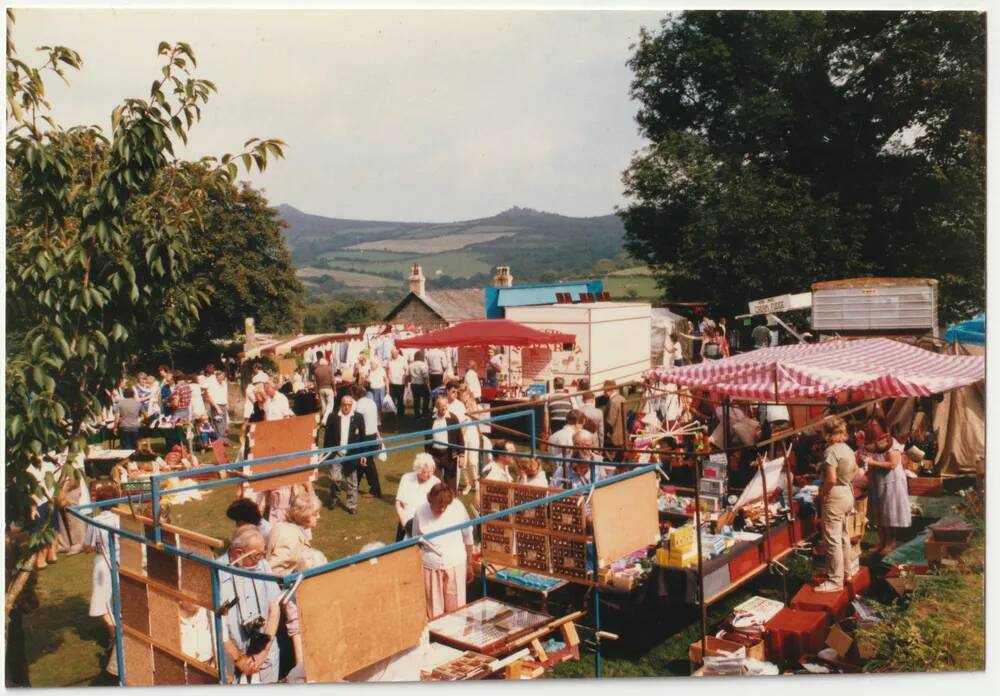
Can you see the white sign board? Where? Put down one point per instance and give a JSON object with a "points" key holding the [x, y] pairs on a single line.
{"points": [[781, 303]]}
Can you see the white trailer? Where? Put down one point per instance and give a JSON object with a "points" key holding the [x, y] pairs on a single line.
{"points": [[875, 306], [612, 341]]}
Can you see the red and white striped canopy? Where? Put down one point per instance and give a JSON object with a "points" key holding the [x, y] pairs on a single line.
{"points": [[878, 367]]}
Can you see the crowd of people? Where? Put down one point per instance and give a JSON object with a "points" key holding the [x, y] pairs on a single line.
{"points": [[586, 437]]}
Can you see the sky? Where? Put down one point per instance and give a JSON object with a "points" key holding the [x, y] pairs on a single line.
{"points": [[424, 116]]}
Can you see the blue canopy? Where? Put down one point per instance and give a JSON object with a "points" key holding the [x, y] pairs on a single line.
{"points": [[969, 331]]}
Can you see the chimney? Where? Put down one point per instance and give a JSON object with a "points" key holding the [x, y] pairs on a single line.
{"points": [[417, 281], [503, 278]]}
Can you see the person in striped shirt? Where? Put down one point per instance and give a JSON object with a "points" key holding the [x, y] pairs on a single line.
{"points": [[559, 405]]}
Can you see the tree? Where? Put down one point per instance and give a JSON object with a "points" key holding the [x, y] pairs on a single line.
{"points": [[792, 147], [242, 263], [340, 314], [99, 231]]}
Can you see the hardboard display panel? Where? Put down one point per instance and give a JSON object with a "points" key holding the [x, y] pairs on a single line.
{"points": [[625, 517], [355, 616], [196, 578], [134, 603], [167, 669], [498, 544], [164, 619], [162, 566], [568, 558], [138, 661], [131, 550], [532, 551], [274, 438]]}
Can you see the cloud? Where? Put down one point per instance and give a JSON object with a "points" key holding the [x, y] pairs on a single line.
{"points": [[430, 115]]}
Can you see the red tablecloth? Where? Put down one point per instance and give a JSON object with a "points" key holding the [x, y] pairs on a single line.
{"points": [[796, 632]]}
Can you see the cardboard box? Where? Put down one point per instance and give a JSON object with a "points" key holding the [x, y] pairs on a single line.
{"points": [[839, 641], [937, 551], [926, 485], [714, 646]]}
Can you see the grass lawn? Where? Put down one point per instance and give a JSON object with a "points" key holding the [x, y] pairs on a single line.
{"points": [[619, 285]]}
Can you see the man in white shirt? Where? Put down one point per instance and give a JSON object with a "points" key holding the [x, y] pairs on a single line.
{"points": [[455, 405], [218, 393], [364, 406], [420, 385], [398, 369], [445, 445], [472, 381], [276, 406], [561, 441], [259, 376]]}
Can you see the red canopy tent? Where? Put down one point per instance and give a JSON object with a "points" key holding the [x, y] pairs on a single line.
{"points": [[486, 332], [879, 367]]}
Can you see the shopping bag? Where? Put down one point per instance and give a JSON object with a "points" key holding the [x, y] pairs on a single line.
{"points": [[408, 397], [388, 405], [382, 456]]}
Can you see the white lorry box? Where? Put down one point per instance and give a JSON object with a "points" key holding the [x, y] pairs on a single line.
{"points": [[612, 340], [875, 305]]}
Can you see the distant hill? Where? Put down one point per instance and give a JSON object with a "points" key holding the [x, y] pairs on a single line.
{"points": [[336, 253]]}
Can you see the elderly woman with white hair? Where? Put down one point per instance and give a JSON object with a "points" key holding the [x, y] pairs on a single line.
{"points": [[288, 545], [412, 492]]}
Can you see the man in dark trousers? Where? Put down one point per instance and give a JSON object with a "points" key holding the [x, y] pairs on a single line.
{"points": [[445, 446], [344, 427]]}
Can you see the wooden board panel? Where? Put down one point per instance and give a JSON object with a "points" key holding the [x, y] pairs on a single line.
{"points": [[200, 676], [355, 616], [568, 558], [273, 438], [162, 566], [164, 619], [498, 544], [536, 517], [196, 578], [131, 551], [167, 669], [135, 603], [568, 516], [138, 661], [625, 517], [532, 551]]}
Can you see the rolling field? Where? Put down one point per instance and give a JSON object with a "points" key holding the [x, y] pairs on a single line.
{"points": [[352, 279], [460, 264], [433, 245], [618, 286]]}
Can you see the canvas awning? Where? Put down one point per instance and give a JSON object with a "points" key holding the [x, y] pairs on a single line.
{"points": [[878, 367], [486, 332]]}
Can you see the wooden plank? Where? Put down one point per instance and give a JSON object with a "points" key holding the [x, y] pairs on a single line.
{"points": [[196, 578], [125, 514], [625, 517], [169, 591], [167, 669], [135, 602], [355, 616], [164, 619], [274, 438], [138, 661]]}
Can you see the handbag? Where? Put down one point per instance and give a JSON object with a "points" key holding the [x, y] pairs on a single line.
{"points": [[382, 455], [408, 396], [388, 405]]}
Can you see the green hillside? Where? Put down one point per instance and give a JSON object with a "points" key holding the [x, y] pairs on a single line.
{"points": [[370, 254]]}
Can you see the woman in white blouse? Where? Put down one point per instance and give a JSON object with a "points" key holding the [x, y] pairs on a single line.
{"points": [[447, 558], [412, 491]]}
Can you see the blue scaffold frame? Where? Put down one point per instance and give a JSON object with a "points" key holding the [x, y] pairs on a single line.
{"points": [[408, 441]]}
